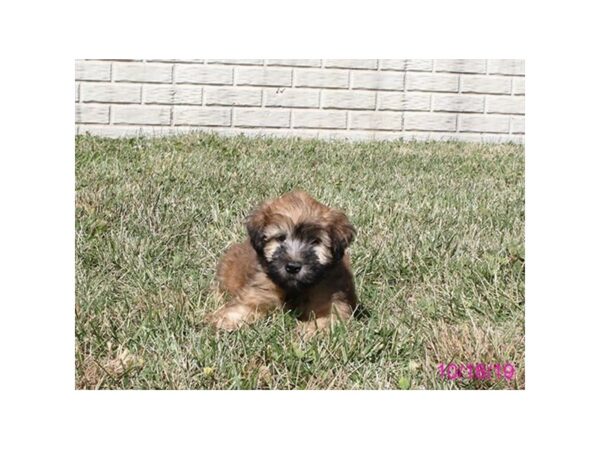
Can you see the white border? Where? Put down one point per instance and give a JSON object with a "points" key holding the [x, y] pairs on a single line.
{"points": [[40, 407]]}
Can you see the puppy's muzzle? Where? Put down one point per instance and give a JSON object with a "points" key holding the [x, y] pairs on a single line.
{"points": [[293, 267]]}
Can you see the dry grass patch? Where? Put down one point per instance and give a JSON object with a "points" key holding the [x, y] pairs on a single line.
{"points": [[468, 343]]}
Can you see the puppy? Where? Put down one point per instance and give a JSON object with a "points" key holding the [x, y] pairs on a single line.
{"points": [[294, 259]]}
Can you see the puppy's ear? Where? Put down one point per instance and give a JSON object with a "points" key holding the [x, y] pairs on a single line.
{"points": [[255, 225], [341, 233]]}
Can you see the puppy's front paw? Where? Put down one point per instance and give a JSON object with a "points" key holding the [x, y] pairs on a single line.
{"points": [[309, 329], [229, 318]]}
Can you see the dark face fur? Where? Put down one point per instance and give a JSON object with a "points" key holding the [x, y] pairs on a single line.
{"points": [[298, 241], [297, 259]]}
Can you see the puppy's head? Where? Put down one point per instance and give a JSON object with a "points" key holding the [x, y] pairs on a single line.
{"points": [[298, 239]]}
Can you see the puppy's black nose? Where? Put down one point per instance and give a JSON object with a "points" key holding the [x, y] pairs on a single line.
{"points": [[293, 267]]}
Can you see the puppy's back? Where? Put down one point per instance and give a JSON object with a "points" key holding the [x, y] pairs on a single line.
{"points": [[237, 266]]}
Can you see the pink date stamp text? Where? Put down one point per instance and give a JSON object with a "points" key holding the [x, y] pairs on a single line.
{"points": [[477, 371]]}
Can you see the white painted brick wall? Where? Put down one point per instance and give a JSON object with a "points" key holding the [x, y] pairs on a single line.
{"points": [[201, 74], [319, 119], [486, 84], [395, 101], [143, 72], [262, 118], [425, 65], [460, 65], [458, 103], [507, 66], [433, 82], [474, 100], [236, 62], [233, 96], [506, 104], [376, 121], [518, 86], [111, 93], [322, 78], [207, 117], [92, 71], [348, 99], [264, 77], [295, 98], [173, 95], [352, 63], [294, 62], [517, 125], [429, 122], [141, 115], [92, 113], [484, 123], [382, 81]]}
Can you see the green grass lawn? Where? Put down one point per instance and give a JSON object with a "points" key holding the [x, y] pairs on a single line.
{"points": [[438, 262]]}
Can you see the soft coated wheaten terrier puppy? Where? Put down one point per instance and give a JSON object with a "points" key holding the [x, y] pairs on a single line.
{"points": [[294, 259]]}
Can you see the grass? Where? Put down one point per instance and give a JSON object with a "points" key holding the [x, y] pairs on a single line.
{"points": [[438, 261]]}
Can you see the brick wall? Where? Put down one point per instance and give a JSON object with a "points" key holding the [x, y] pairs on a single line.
{"points": [[466, 99]]}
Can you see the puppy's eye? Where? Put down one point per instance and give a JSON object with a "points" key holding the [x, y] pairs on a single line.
{"points": [[316, 241], [280, 238]]}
